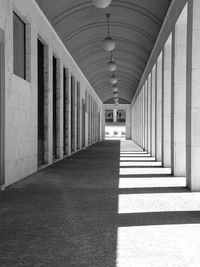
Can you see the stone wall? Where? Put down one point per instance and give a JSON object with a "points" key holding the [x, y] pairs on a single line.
{"points": [[21, 95]]}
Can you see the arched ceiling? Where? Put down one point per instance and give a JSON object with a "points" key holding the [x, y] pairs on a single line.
{"points": [[134, 24]]}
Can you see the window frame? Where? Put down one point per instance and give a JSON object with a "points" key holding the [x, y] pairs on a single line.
{"points": [[25, 46]]}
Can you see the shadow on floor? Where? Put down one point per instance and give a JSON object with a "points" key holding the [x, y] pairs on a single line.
{"points": [[159, 218], [68, 214], [64, 215]]}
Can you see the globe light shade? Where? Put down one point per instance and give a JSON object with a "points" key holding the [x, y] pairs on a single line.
{"points": [[115, 88], [113, 79], [101, 3], [112, 66], [108, 44]]}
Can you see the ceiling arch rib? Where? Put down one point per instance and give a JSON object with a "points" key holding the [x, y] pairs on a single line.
{"points": [[96, 25], [84, 6], [95, 42], [101, 76], [105, 81], [134, 25], [122, 85], [105, 84], [121, 100], [140, 63]]}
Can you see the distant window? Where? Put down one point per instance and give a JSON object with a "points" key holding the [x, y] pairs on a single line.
{"points": [[115, 133], [123, 133], [106, 133], [109, 115], [19, 46]]}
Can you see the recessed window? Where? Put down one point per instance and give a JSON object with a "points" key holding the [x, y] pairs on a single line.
{"points": [[19, 46]]}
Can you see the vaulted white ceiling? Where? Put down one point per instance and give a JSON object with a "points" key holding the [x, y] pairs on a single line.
{"points": [[134, 24]]}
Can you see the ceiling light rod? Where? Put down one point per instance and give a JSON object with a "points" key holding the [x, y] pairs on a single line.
{"points": [[108, 42], [111, 64], [108, 17], [113, 79]]}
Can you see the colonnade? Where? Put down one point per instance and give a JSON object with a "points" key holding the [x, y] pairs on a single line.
{"points": [[166, 108]]}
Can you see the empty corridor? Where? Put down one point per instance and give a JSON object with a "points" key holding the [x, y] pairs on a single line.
{"points": [[108, 205]]}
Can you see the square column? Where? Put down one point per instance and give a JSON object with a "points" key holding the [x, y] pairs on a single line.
{"points": [[153, 113], [143, 124], [193, 97], [140, 105], [137, 121], [159, 106], [149, 113], [167, 103], [179, 96], [146, 117], [114, 115]]}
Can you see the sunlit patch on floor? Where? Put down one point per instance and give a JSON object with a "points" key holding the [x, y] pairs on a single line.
{"points": [[138, 158], [159, 246], [133, 152], [142, 164], [135, 155], [152, 182], [140, 203], [158, 218], [152, 170]]}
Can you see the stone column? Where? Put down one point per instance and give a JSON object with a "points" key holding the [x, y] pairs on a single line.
{"points": [[149, 113], [193, 97], [159, 106], [140, 118], [135, 121], [146, 117], [143, 116], [153, 113], [114, 115], [167, 103], [179, 97]]}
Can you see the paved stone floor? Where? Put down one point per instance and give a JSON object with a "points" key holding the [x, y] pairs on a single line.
{"points": [[110, 205]]}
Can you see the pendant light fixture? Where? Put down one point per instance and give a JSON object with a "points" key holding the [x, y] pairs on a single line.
{"points": [[113, 79], [116, 100], [101, 3], [108, 42], [115, 88], [112, 66]]}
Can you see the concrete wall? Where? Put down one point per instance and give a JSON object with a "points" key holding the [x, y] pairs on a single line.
{"points": [[21, 95]]}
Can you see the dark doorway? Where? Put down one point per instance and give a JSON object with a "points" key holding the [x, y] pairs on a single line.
{"points": [[73, 113], [99, 125], [41, 135], [89, 120], [65, 112], [83, 123], [78, 116], [54, 108]]}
